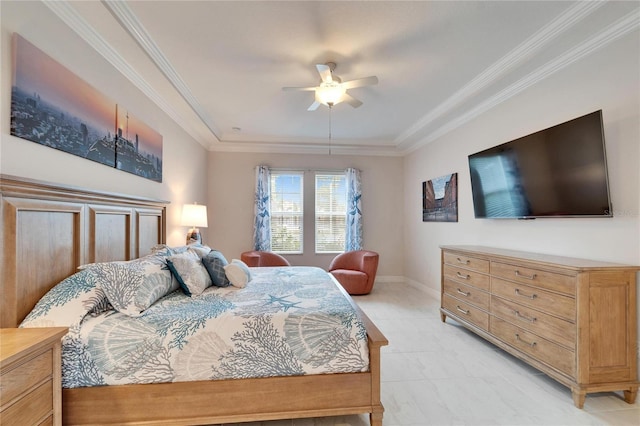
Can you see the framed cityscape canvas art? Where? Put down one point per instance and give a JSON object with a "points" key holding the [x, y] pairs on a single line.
{"points": [[53, 107], [440, 199], [139, 147]]}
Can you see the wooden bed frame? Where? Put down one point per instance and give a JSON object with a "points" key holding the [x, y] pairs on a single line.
{"points": [[48, 230]]}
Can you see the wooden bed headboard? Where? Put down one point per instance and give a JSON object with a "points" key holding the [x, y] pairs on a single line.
{"points": [[48, 230]]}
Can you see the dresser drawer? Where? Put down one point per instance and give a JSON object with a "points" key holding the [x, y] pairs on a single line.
{"points": [[536, 278], [31, 409], [545, 301], [467, 293], [455, 259], [47, 422], [551, 328], [24, 376], [548, 352], [466, 311], [464, 276]]}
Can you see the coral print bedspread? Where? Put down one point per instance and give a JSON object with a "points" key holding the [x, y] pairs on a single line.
{"points": [[286, 321]]}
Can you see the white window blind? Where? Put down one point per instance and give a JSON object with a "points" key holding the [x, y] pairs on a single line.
{"points": [[287, 212], [331, 212]]}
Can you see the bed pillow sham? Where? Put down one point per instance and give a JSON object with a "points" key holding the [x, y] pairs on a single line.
{"points": [[132, 286], [68, 302], [200, 250]]}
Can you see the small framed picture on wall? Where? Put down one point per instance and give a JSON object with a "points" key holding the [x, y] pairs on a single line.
{"points": [[440, 199]]}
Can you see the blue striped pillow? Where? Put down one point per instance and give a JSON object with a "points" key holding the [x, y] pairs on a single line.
{"points": [[215, 262]]}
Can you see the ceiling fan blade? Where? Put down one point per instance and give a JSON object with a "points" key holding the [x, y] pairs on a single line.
{"points": [[299, 88], [325, 73], [350, 100], [367, 81], [314, 106]]}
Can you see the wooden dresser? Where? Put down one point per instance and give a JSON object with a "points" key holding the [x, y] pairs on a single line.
{"points": [[30, 383], [573, 319]]}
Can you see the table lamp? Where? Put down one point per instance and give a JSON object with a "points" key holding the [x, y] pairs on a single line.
{"points": [[194, 215]]}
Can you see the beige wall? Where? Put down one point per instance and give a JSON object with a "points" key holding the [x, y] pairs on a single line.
{"points": [[232, 185], [609, 79], [185, 162]]}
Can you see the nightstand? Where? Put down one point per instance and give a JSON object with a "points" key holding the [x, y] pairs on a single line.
{"points": [[30, 381]]}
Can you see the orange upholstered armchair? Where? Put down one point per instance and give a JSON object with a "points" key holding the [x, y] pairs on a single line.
{"points": [[355, 270], [263, 258]]}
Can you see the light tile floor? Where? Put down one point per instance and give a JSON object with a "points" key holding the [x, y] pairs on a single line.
{"points": [[436, 373]]}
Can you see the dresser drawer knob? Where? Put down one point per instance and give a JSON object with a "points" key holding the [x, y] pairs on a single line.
{"points": [[464, 262], [527, 277], [464, 293], [462, 310], [464, 277], [523, 317], [533, 296], [532, 344]]}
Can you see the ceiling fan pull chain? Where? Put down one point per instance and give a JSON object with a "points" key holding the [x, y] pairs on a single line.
{"points": [[330, 128]]}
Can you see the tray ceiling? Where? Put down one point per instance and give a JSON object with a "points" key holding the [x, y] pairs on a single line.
{"points": [[218, 67]]}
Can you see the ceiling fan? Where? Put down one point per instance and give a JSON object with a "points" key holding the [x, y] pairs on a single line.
{"points": [[332, 90]]}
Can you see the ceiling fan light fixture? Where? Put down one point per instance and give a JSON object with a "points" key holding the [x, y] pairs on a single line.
{"points": [[332, 90], [330, 93]]}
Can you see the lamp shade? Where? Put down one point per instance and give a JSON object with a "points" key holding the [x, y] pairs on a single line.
{"points": [[330, 93], [194, 215]]}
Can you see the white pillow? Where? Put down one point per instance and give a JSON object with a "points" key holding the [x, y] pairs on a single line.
{"points": [[238, 273]]}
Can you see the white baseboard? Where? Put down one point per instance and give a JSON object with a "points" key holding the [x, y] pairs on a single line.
{"points": [[415, 284], [389, 279], [423, 287]]}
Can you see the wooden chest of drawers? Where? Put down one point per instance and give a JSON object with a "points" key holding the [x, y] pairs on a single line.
{"points": [[30, 383], [573, 319]]}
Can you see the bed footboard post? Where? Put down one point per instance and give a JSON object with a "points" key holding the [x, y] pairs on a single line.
{"points": [[377, 410], [376, 340]]}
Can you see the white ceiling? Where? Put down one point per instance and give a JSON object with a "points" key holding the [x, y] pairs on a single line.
{"points": [[218, 67]]}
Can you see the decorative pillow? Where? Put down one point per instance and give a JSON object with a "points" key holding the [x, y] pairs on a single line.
{"points": [[238, 273], [214, 262], [132, 286], [200, 250], [188, 269], [244, 267]]}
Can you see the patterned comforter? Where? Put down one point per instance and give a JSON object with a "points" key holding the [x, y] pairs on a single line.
{"points": [[286, 321]]}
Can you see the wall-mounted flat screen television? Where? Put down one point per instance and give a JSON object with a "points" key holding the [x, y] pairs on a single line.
{"points": [[556, 172]]}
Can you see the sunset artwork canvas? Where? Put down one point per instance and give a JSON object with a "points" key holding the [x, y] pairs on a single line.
{"points": [[53, 107], [139, 147]]}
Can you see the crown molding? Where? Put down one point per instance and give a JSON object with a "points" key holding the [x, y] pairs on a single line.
{"points": [[306, 148], [623, 26], [571, 16], [130, 22], [63, 10]]}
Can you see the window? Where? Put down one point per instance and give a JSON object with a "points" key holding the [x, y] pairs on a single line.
{"points": [[287, 212], [331, 211]]}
